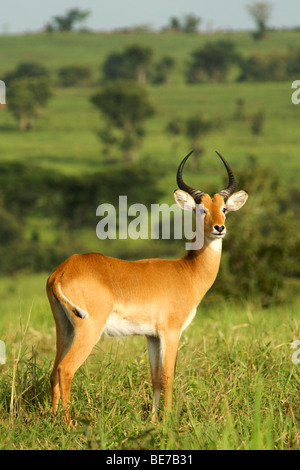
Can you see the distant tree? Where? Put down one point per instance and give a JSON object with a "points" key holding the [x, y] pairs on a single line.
{"points": [[125, 106], [27, 97], [131, 64], [293, 65], [175, 128], [240, 113], [272, 66], [72, 75], [195, 129], [191, 23], [188, 24], [257, 124], [68, 21], [115, 67], [261, 13], [162, 69], [139, 58], [211, 63], [175, 23], [26, 70]]}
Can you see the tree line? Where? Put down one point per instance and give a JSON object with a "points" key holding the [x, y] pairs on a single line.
{"points": [[260, 11]]}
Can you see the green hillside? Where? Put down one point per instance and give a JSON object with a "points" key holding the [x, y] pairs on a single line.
{"points": [[65, 137]]}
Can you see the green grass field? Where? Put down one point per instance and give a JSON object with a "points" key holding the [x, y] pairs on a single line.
{"points": [[236, 386]]}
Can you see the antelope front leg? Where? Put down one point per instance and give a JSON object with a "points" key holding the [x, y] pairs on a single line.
{"points": [[169, 348], [154, 352]]}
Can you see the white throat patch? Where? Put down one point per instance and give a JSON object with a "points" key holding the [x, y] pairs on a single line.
{"points": [[215, 244]]}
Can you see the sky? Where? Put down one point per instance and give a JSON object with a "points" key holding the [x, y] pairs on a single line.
{"points": [[17, 16]]}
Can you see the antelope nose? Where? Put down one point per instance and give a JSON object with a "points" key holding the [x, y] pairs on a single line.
{"points": [[219, 228]]}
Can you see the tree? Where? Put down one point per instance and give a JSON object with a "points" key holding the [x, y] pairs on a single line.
{"points": [[116, 67], [211, 63], [26, 70], [175, 23], [195, 129], [189, 23], [161, 70], [126, 106], [175, 128], [257, 124], [260, 12], [131, 64], [68, 21], [27, 97], [139, 58]]}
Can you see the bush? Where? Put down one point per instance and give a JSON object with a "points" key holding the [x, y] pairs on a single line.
{"points": [[71, 200], [10, 227], [131, 64], [162, 69], [263, 245], [74, 75], [27, 70], [274, 66], [211, 63], [68, 202]]}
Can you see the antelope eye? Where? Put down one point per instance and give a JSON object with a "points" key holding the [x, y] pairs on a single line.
{"points": [[224, 210]]}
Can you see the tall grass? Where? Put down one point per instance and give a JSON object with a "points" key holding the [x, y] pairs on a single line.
{"points": [[235, 388]]}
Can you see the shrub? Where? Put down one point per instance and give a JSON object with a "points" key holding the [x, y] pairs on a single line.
{"points": [[263, 245], [74, 75], [27, 70], [162, 69], [211, 63], [274, 66], [131, 64]]}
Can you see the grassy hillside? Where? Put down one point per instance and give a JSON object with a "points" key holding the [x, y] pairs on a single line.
{"points": [[65, 136]]}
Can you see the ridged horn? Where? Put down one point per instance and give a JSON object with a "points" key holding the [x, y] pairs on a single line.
{"points": [[197, 195], [231, 180]]}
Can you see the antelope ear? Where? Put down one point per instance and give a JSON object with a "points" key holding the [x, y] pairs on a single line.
{"points": [[236, 201], [184, 200]]}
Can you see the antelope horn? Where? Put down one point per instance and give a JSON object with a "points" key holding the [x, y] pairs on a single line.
{"points": [[197, 195], [231, 180]]}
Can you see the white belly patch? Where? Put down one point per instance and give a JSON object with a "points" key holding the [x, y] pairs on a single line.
{"points": [[117, 326], [189, 319]]}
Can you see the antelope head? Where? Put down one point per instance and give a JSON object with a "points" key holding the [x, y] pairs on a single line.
{"points": [[214, 208]]}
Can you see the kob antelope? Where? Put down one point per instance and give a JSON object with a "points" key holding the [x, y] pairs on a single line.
{"points": [[92, 294]]}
